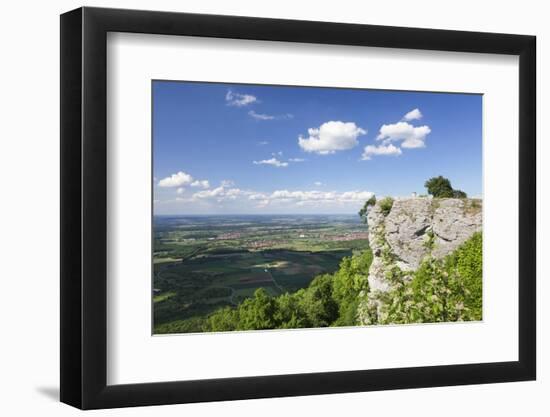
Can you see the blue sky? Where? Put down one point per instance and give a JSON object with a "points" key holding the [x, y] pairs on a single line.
{"points": [[235, 148]]}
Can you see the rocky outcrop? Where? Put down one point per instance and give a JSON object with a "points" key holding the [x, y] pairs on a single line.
{"points": [[413, 228]]}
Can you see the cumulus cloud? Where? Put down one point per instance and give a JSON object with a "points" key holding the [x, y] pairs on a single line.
{"points": [[182, 179], [176, 180], [230, 198], [215, 192], [224, 192], [239, 100], [315, 197], [272, 161], [257, 196], [201, 184], [411, 136], [415, 114], [388, 150], [331, 137]]}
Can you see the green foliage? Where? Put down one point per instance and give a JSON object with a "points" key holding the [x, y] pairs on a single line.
{"points": [[440, 290], [317, 302], [365, 209], [223, 320], [190, 325], [385, 205], [350, 281], [440, 187], [459, 194], [329, 300]]}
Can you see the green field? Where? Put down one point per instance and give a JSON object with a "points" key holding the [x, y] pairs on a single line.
{"points": [[204, 263]]}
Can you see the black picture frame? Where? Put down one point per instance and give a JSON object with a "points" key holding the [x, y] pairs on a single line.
{"points": [[84, 207]]}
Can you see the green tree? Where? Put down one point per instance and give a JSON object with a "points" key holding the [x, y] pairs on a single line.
{"points": [[459, 194], [258, 312], [365, 209], [290, 313], [440, 187], [349, 282], [223, 320], [317, 302]]}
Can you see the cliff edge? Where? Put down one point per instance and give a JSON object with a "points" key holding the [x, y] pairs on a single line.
{"points": [[403, 232]]}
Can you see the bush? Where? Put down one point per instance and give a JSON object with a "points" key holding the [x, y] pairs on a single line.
{"points": [[440, 290], [348, 283], [385, 205]]}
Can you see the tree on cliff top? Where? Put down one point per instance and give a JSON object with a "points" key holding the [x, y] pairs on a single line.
{"points": [[365, 209], [440, 187]]}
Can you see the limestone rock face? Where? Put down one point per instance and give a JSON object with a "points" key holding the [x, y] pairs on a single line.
{"points": [[413, 229]]}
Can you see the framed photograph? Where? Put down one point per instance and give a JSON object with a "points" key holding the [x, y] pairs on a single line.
{"points": [[257, 208]]}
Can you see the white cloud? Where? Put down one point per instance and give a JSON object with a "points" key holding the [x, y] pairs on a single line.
{"points": [[296, 159], [182, 179], [221, 193], [176, 180], [233, 193], [215, 192], [319, 197], [257, 196], [415, 114], [331, 137], [201, 184], [371, 150], [284, 196], [412, 137], [259, 116], [317, 183], [229, 198], [355, 196], [227, 183], [273, 161], [263, 143], [239, 100]]}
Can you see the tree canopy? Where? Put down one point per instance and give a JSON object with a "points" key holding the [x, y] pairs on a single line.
{"points": [[440, 187], [365, 209]]}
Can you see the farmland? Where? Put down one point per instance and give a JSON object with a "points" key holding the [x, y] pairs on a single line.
{"points": [[204, 263]]}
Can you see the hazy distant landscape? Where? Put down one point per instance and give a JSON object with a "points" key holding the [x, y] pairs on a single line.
{"points": [[203, 263]]}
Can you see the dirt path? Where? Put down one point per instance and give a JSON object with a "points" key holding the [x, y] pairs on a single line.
{"points": [[275, 281]]}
